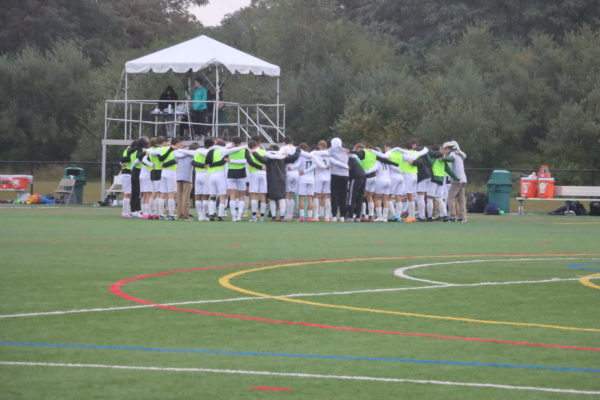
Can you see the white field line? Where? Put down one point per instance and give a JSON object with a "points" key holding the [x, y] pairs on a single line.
{"points": [[302, 375], [449, 285], [400, 272]]}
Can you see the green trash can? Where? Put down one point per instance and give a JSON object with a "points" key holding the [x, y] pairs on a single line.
{"points": [[500, 189], [79, 175]]}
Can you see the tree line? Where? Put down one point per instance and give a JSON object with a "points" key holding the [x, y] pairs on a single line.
{"points": [[515, 82]]}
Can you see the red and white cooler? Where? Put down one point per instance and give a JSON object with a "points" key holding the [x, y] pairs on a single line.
{"points": [[529, 187]]}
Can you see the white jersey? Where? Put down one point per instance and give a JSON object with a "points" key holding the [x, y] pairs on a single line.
{"points": [[307, 166], [323, 173]]}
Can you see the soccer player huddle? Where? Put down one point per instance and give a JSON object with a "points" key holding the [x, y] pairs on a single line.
{"points": [[408, 183]]}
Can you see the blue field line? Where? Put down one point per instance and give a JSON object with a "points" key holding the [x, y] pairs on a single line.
{"points": [[580, 266], [419, 227], [313, 356]]}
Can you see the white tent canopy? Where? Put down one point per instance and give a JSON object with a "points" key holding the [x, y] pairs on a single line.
{"points": [[197, 54]]}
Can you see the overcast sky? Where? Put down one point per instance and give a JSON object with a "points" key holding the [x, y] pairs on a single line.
{"points": [[213, 13]]}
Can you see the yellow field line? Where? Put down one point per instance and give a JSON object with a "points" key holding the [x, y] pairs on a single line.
{"points": [[586, 281], [225, 281]]}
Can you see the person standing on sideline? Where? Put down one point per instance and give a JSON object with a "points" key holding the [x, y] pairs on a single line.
{"points": [[166, 104], [457, 206], [184, 180], [199, 108]]}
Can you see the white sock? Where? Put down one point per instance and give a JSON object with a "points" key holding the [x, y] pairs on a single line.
{"points": [[282, 206], [399, 207], [363, 209], [442, 207], [316, 206], [310, 213], [171, 207], [371, 208], [240, 209], [232, 208], [198, 205], [392, 207], [378, 212], [411, 209], [263, 208], [290, 207], [328, 208], [405, 206], [301, 212], [254, 206], [126, 206], [222, 212], [273, 208], [385, 212], [429, 207], [160, 209], [421, 203], [212, 207]]}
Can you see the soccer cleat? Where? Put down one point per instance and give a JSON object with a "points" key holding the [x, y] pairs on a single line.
{"points": [[410, 220], [220, 219], [327, 220], [342, 219], [145, 217], [262, 219], [123, 215], [334, 219], [301, 219], [393, 219], [253, 219], [171, 218]]}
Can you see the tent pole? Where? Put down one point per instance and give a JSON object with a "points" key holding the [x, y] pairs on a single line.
{"points": [[277, 120], [125, 122], [216, 106]]}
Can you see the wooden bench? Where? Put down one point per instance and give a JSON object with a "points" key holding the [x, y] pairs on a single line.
{"points": [[566, 193]]}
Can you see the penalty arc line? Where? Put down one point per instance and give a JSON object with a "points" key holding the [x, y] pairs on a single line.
{"points": [[302, 375], [116, 289]]}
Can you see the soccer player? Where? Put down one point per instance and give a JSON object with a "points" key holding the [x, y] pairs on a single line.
{"points": [[275, 163], [184, 179], [216, 159], [291, 176], [127, 159], [236, 180], [168, 180], [324, 176], [368, 161], [457, 209], [201, 181], [306, 183], [258, 181]]}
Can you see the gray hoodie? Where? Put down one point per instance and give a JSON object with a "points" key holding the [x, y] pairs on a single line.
{"points": [[339, 153]]}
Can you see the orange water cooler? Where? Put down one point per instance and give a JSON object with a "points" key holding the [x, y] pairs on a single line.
{"points": [[529, 186]]}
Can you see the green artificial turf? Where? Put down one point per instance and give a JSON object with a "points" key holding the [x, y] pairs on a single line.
{"points": [[67, 258]]}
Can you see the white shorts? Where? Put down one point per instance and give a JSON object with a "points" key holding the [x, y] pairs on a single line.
{"points": [[371, 184], [423, 186], [217, 183], [236, 184], [258, 182], [410, 183], [155, 186], [146, 185], [306, 188], [323, 187], [168, 181], [291, 181], [383, 186], [201, 183], [435, 190], [126, 183], [397, 188]]}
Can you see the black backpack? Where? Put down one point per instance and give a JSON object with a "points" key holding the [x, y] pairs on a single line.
{"points": [[476, 202], [595, 208]]}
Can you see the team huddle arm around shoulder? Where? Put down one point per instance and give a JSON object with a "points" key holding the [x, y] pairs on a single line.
{"points": [[251, 162], [147, 162], [384, 160], [292, 158]]}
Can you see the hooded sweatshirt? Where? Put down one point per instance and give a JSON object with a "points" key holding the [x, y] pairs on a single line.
{"points": [[338, 153]]}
